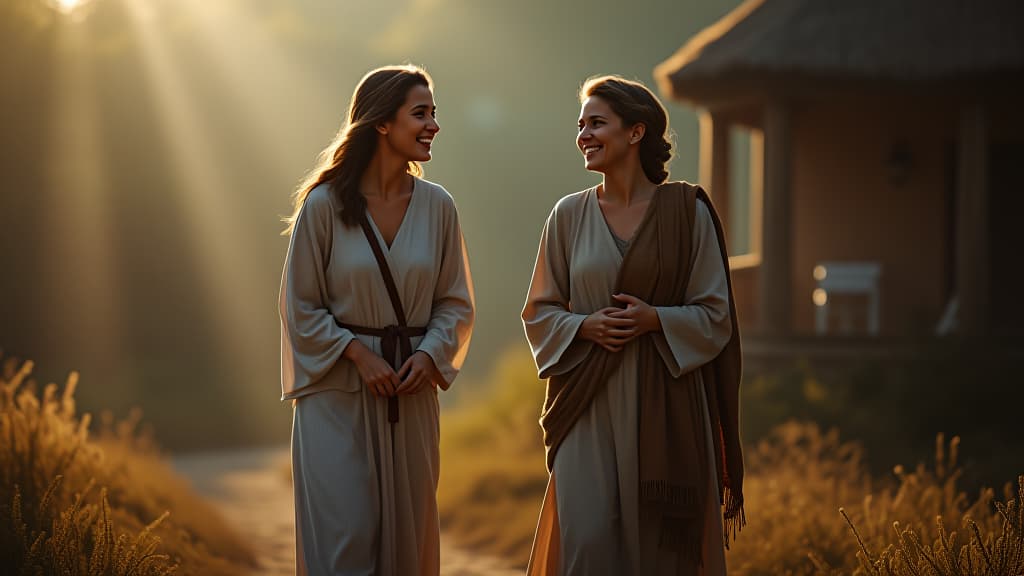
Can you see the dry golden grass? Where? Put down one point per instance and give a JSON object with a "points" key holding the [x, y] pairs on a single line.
{"points": [[492, 463], [798, 479], [988, 543], [111, 506], [802, 484]]}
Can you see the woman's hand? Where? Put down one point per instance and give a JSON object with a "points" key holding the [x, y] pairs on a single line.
{"points": [[377, 374], [640, 312], [417, 373], [608, 331]]}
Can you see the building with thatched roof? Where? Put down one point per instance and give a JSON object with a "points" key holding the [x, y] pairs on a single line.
{"points": [[885, 138]]}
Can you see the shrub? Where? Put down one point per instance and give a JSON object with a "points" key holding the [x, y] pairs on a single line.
{"points": [[72, 505], [802, 484]]}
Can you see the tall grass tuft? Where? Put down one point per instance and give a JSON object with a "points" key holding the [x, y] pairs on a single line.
{"points": [[990, 541], [110, 506], [815, 509]]}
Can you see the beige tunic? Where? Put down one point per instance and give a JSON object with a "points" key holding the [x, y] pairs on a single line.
{"points": [[589, 521], [365, 490]]}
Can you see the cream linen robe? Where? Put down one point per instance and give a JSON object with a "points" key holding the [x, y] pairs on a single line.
{"points": [[589, 521], [365, 490]]}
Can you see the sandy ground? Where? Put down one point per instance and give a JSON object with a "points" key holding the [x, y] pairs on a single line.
{"points": [[251, 490]]}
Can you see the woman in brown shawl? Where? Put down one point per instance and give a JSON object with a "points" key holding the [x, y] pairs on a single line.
{"points": [[630, 318]]}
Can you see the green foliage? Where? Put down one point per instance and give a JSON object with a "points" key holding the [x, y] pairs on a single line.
{"points": [[72, 505]]}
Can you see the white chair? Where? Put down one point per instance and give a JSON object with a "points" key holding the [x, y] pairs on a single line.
{"points": [[857, 278]]}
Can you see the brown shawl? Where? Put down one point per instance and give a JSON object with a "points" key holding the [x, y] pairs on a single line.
{"points": [[672, 435]]}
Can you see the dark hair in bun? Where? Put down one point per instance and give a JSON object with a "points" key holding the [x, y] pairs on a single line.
{"points": [[635, 104]]}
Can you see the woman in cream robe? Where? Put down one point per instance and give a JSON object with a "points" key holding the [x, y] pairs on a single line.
{"points": [[590, 518], [593, 491], [365, 488]]}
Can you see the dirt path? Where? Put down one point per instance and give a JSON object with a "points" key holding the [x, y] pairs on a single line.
{"points": [[251, 489]]}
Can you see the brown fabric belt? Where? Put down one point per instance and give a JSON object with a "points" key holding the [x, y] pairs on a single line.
{"points": [[392, 338]]}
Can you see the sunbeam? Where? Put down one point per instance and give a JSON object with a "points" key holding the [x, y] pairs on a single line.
{"points": [[68, 7], [79, 241], [208, 199], [281, 105]]}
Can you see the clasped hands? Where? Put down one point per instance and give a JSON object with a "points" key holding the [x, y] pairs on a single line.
{"points": [[612, 328], [415, 375]]}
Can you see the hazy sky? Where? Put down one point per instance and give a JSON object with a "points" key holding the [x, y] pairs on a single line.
{"points": [[150, 147]]}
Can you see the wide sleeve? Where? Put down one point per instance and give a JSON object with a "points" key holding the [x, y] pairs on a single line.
{"points": [[550, 324], [696, 332], [452, 310], [311, 340]]}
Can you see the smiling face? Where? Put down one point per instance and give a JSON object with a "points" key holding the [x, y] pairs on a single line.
{"points": [[411, 132], [603, 138]]}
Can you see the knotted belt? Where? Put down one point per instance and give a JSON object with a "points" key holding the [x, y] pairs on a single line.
{"points": [[394, 338]]}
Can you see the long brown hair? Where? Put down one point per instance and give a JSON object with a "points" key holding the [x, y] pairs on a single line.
{"points": [[375, 100], [635, 104]]}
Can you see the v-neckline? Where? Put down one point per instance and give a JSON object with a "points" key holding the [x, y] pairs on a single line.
{"points": [[643, 220], [401, 225]]}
